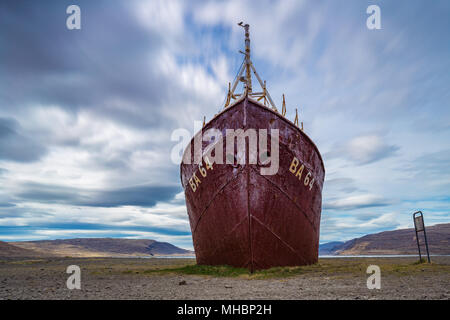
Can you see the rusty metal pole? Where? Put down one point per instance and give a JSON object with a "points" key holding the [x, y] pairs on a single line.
{"points": [[248, 63], [248, 74]]}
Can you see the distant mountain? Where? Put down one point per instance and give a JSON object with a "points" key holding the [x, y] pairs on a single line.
{"points": [[100, 247], [330, 247], [402, 241]]}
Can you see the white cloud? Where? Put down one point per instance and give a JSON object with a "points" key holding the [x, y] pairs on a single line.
{"points": [[165, 16], [366, 149], [355, 202], [268, 20]]}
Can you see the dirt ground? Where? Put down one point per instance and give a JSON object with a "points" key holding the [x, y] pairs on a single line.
{"points": [[121, 278]]}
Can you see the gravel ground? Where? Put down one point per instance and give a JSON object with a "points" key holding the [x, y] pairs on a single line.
{"points": [[109, 278]]}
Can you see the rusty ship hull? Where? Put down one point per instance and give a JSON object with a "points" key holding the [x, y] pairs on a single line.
{"points": [[242, 218]]}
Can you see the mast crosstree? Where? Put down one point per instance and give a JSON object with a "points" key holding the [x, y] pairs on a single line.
{"points": [[248, 67]]}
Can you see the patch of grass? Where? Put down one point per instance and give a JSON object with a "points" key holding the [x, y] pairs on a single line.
{"points": [[279, 272], [195, 269], [420, 261], [26, 262], [228, 271], [324, 268]]}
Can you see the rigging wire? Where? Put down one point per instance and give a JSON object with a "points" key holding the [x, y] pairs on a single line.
{"points": [[225, 99]]}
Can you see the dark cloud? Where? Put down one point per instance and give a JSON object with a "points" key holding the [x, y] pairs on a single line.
{"points": [[106, 67], [47, 193], [16, 146], [100, 226], [143, 196], [13, 211], [7, 205], [332, 205]]}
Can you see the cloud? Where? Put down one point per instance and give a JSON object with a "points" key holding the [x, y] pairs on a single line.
{"points": [[7, 205], [143, 196], [337, 185], [117, 77], [296, 27], [364, 150], [17, 146], [338, 228], [368, 149], [157, 13], [433, 165], [180, 239], [356, 202]]}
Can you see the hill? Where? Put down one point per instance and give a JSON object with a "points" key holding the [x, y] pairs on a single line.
{"points": [[11, 251], [101, 247], [330, 247], [402, 241]]}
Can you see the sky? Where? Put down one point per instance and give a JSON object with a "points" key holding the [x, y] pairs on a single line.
{"points": [[86, 116]]}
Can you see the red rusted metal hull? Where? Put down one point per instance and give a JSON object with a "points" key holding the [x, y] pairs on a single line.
{"points": [[241, 218]]}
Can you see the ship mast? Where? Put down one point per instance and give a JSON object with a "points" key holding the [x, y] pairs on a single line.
{"points": [[248, 62], [248, 67]]}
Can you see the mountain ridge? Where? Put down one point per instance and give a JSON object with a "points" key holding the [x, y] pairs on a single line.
{"points": [[12, 251], [401, 241], [98, 247]]}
